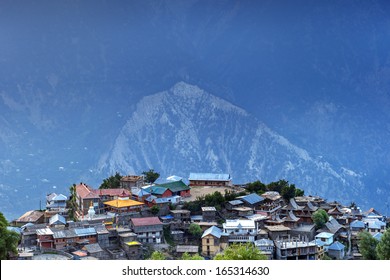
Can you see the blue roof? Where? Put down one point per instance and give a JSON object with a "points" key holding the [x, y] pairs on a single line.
{"points": [[84, 231], [210, 177], [378, 236], [141, 193], [358, 224], [252, 198], [324, 235], [156, 190], [235, 202], [215, 231], [336, 246]]}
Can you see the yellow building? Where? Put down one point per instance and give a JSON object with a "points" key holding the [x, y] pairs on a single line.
{"points": [[213, 241]]}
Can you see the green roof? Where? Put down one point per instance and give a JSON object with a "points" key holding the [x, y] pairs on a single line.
{"points": [[176, 186]]}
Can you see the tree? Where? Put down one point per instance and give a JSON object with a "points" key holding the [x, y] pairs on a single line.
{"points": [[150, 176], [156, 255], [288, 192], [71, 203], [320, 217], [8, 239], [256, 187], [299, 192], [367, 246], [277, 186], [154, 209], [383, 247], [241, 251], [187, 257], [112, 182], [195, 230]]}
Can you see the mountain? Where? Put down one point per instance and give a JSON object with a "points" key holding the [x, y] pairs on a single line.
{"points": [[185, 129], [71, 74]]}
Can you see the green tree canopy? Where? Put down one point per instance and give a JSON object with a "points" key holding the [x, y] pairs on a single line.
{"points": [[154, 209], [156, 255], [320, 217], [383, 247], [367, 246], [112, 182], [150, 176], [195, 230], [8, 239], [241, 251], [187, 257], [256, 187]]}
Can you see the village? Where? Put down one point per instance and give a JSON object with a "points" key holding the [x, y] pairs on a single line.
{"points": [[136, 219]]}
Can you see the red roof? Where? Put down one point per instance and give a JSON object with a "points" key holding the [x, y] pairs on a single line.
{"points": [[85, 191], [146, 221], [112, 192]]}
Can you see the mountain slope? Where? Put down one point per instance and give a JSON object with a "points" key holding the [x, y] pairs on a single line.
{"points": [[186, 129]]}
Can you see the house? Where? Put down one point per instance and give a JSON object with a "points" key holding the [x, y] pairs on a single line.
{"points": [[29, 235], [85, 196], [74, 237], [272, 202], [190, 249], [291, 220], [230, 205], [158, 191], [213, 241], [326, 238], [307, 212], [375, 225], [307, 231], [148, 230], [240, 230], [123, 206], [45, 238], [278, 232], [357, 226], [295, 249], [210, 180], [177, 188], [332, 226], [336, 251], [133, 250], [252, 200], [140, 195], [33, 217], [132, 182], [209, 214], [292, 206], [266, 246], [56, 202], [57, 221], [94, 250], [181, 215], [373, 214]]}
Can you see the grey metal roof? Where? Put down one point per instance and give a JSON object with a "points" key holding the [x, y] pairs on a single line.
{"points": [[264, 242], [59, 197], [252, 198], [57, 219], [93, 248], [235, 202], [209, 177], [215, 231]]}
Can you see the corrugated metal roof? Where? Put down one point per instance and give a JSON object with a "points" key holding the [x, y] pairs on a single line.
{"points": [[358, 224], [214, 231], [57, 219], [209, 177], [44, 231], [59, 197], [176, 186], [146, 221], [84, 231], [252, 198], [233, 224], [324, 235]]}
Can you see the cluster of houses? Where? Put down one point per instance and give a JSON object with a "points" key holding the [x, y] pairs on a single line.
{"points": [[120, 224]]}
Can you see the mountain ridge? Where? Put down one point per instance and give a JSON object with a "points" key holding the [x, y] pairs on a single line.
{"points": [[185, 129]]}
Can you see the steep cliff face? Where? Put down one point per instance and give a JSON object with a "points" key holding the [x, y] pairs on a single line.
{"points": [[186, 129]]}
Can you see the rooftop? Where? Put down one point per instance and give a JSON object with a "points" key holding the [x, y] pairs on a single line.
{"points": [[209, 177], [146, 221]]}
